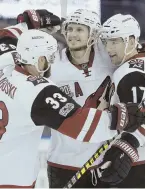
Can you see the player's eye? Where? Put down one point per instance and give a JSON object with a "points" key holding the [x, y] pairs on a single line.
{"points": [[113, 42], [69, 29], [79, 29]]}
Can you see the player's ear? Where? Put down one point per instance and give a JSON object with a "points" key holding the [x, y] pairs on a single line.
{"points": [[132, 41]]}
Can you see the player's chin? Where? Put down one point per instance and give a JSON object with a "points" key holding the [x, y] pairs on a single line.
{"points": [[73, 45], [114, 61]]}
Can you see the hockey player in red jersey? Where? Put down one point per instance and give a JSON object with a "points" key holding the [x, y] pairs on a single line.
{"points": [[121, 39]]}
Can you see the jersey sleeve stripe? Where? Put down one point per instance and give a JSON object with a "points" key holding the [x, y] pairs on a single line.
{"points": [[87, 125], [18, 30], [6, 32], [14, 32], [73, 125], [93, 126]]}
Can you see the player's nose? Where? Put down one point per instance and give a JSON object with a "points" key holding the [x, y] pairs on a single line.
{"points": [[74, 33], [108, 47]]}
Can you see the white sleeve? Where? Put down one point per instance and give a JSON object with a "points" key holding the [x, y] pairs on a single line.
{"points": [[17, 29]]}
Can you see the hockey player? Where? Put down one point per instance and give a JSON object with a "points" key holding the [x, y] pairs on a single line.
{"points": [[84, 75], [121, 38], [28, 100], [13, 96]]}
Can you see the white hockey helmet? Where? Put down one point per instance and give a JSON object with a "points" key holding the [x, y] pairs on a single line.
{"points": [[33, 44], [121, 26], [86, 17]]}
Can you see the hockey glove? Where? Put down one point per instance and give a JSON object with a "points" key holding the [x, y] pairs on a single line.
{"points": [[118, 160], [127, 117], [36, 19]]}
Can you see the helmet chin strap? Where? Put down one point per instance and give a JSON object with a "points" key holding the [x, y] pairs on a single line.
{"points": [[126, 40]]}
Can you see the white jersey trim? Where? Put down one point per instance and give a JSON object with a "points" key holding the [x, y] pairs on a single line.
{"points": [[87, 124]]}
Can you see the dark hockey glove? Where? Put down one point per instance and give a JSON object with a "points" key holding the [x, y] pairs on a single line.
{"points": [[36, 19], [127, 117], [118, 159]]}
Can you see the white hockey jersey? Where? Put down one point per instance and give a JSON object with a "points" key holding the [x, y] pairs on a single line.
{"points": [[87, 86], [27, 102], [19, 163], [128, 85]]}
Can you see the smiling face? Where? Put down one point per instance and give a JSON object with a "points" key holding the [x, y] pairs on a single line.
{"points": [[77, 36], [116, 49]]}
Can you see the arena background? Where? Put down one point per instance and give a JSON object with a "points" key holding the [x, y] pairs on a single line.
{"points": [[9, 9]]}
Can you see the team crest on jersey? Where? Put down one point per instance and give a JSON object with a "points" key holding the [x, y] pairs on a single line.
{"points": [[136, 63], [65, 110], [66, 89], [37, 80]]}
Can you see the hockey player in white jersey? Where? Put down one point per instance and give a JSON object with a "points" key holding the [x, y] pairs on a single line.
{"points": [[38, 116], [27, 101], [121, 38], [83, 74], [19, 139]]}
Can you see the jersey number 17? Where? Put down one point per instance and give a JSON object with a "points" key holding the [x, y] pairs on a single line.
{"points": [[137, 93]]}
